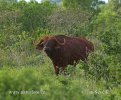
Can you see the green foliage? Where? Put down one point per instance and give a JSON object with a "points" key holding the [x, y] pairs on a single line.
{"points": [[36, 83], [16, 42], [107, 29], [90, 5], [104, 66], [69, 21], [35, 15], [23, 69]]}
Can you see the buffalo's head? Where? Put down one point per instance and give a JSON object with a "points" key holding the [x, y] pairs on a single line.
{"points": [[41, 43], [50, 45]]}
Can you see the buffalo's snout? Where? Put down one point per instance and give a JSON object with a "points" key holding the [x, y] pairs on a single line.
{"points": [[47, 49]]}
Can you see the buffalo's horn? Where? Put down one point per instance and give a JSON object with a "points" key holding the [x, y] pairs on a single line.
{"points": [[60, 42], [34, 42]]}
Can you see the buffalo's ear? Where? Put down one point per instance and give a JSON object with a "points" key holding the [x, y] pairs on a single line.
{"points": [[41, 42], [40, 45]]}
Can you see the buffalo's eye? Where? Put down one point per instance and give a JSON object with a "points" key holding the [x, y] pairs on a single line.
{"points": [[47, 49], [50, 45], [42, 44]]}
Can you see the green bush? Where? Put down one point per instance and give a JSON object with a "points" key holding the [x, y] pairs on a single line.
{"points": [[17, 81], [40, 83]]}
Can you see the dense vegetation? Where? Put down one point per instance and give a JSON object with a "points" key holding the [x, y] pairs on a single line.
{"points": [[26, 74]]}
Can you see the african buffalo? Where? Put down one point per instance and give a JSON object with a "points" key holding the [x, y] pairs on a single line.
{"points": [[64, 50]]}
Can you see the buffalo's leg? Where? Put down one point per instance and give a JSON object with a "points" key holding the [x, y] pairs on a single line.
{"points": [[86, 67], [85, 60], [63, 71], [56, 69]]}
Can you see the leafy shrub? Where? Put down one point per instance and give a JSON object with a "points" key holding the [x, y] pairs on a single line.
{"points": [[15, 84]]}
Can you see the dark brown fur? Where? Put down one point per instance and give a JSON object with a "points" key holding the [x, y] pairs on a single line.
{"points": [[63, 50]]}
